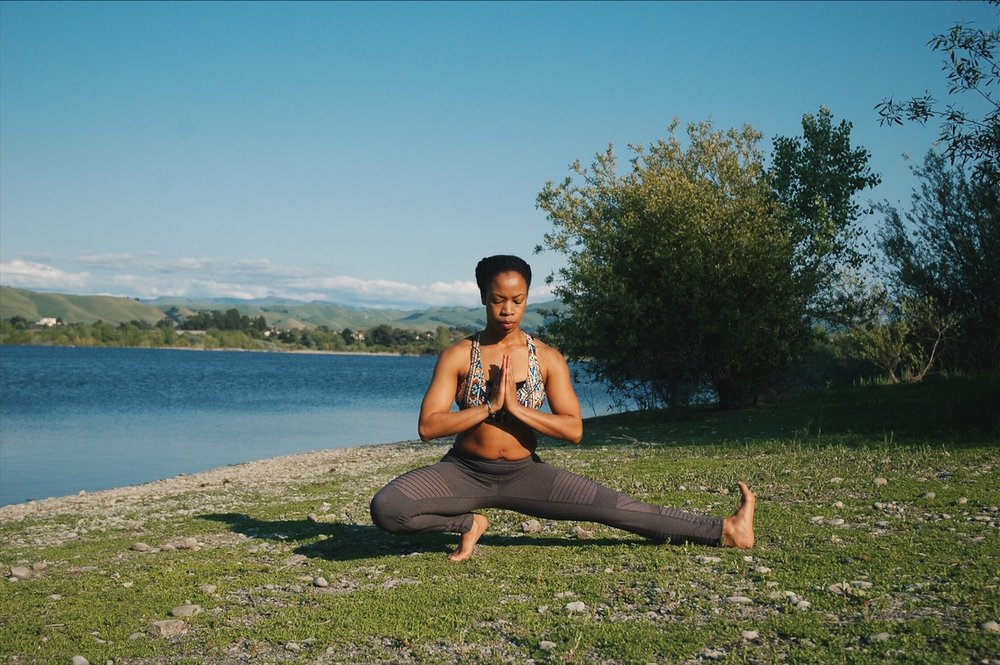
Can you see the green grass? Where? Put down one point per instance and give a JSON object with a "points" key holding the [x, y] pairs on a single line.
{"points": [[932, 560]]}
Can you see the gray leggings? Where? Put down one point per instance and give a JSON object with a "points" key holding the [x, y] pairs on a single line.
{"points": [[442, 496]]}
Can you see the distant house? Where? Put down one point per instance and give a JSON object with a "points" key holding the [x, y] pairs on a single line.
{"points": [[48, 322]]}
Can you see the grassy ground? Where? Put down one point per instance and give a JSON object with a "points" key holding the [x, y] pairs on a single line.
{"points": [[878, 539]]}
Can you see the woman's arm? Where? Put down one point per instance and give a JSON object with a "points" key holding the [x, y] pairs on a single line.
{"points": [[565, 422], [436, 417]]}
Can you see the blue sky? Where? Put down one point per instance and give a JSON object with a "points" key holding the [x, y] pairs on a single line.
{"points": [[372, 153]]}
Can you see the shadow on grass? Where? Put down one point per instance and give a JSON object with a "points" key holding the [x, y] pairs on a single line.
{"points": [[348, 542]]}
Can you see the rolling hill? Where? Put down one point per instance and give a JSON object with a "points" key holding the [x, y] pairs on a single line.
{"points": [[279, 313]]}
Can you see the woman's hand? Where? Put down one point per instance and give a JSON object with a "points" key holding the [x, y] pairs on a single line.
{"points": [[509, 387], [498, 392]]}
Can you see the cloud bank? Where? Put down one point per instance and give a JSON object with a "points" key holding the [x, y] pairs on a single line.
{"points": [[148, 276]]}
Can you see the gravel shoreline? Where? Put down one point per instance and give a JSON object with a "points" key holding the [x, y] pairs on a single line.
{"points": [[268, 476]]}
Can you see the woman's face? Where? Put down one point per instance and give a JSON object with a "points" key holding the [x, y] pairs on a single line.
{"points": [[505, 301]]}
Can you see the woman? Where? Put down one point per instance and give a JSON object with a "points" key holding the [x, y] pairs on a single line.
{"points": [[499, 378]]}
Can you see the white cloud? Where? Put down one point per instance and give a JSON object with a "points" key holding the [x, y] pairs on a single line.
{"points": [[148, 275], [29, 274]]}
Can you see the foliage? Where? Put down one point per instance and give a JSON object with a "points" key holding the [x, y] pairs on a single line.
{"points": [[697, 266], [816, 179], [972, 67], [946, 250]]}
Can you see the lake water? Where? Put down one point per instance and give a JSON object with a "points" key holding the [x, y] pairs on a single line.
{"points": [[76, 419]]}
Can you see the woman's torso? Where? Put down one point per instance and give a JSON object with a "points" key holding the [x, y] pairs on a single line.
{"points": [[500, 437]]}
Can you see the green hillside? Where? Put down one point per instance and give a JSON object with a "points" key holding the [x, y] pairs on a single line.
{"points": [[33, 306], [278, 313]]}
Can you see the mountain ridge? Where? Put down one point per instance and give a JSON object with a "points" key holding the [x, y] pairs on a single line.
{"points": [[278, 312]]}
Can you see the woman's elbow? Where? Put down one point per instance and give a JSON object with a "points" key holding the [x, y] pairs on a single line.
{"points": [[576, 432]]}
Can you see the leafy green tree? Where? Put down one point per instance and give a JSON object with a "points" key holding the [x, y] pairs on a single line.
{"points": [[972, 68], [946, 249], [816, 180], [697, 266]]}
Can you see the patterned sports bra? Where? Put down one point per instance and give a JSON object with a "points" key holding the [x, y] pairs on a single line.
{"points": [[474, 390]]}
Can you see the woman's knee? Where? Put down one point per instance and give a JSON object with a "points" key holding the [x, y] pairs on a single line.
{"points": [[386, 510]]}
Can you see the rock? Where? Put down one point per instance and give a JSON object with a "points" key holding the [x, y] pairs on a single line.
{"points": [[962, 500], [293, 646], [20, 572], [709, 559], [321, 582], [188, 543], [80, 660], [762, 570], [836, 480], [207, 588], [576, 606], [838, 504], [803, 605], [714, 654], [186, 610], [836, 521], [816, 519], [990, 627], [861, 584], [750, 635], [881, 482], [168, 547], [545, 645], [543, 609], [836, 589], [168, 628], [141, 547], [930, 495], [880, 637], [531, 526], [739, 600], [582, 533]]}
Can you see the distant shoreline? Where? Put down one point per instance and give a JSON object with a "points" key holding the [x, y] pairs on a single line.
{"points": [[317, 352]]}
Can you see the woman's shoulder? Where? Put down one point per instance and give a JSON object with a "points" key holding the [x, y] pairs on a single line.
{"points": [[459, 349], [546, 351]]}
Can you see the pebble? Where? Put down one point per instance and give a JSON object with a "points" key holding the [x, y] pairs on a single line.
{"points": [[582, 533], [169, 547], [739, 600], [750, 635], [816, 519], [20, 572], [962, 501], [545, 645], [142, 547], [293, 646], [880, 637], [836, 521], [312, 517], [207, 588], [990, 626], [763, 570], [803, 605], [714, 654], [531, 526], [836, 481], [321, 582], [168, 628], [80, 660], [543, 609], [188, 543], [709, 559], [881, 482], [185, 610], [838, 504], [576, 606], [930, 495]]}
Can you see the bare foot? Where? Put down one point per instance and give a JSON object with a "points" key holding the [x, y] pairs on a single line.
{"points": [[737, 531], [469, 539]]}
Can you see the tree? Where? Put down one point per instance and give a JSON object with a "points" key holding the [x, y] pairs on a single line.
{"points": [[946, 249], [972, 67], [816, 179], [697, 267]]}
